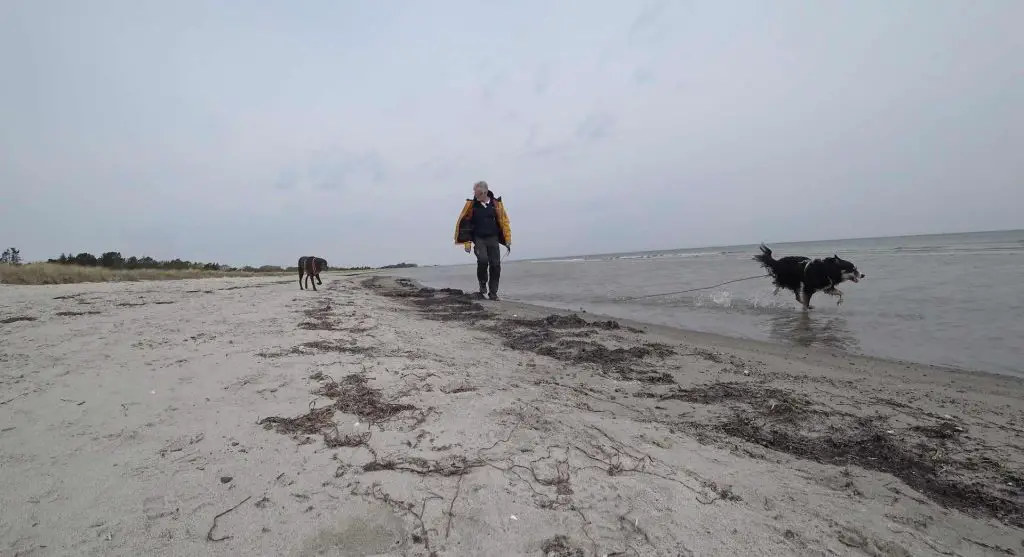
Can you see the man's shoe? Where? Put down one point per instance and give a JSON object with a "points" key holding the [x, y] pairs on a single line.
{"points": [[481, 296], [493, 297]]}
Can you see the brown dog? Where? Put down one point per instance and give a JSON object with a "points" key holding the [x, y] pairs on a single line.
{"points": [[311, 267]]}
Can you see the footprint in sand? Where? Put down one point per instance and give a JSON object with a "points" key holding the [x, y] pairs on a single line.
{"points": [[156, 507], [361, 532]]}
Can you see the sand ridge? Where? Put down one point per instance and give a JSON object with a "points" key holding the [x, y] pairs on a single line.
{"points": [[244, 417]]}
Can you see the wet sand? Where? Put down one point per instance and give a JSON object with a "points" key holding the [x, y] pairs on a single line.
{"points": [[246, 417]]}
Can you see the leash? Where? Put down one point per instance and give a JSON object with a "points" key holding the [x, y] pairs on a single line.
{"points": [[689, 289]]}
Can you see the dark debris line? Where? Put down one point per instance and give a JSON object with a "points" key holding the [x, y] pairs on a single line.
{"points": [[774, 418]]}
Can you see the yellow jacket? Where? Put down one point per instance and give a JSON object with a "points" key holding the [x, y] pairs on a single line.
{"points": [[464, 226]]}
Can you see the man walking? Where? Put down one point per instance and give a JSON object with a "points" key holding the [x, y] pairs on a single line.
{"points": [[483, 227]]}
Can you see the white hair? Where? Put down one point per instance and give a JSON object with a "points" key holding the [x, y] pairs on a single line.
{"points": [[482, 184]]}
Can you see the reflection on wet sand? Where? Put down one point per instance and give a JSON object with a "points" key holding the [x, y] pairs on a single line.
{"points": [[807, 329]]}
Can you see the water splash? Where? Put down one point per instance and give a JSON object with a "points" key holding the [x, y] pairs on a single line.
{"points": [[764, 300], [713, 299], [723, 298]]}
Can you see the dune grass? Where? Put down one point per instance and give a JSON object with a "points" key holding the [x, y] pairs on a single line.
{"points": [[54, 273]]}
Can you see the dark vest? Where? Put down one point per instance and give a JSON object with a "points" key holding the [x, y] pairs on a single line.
{"points": [[485, 220]]}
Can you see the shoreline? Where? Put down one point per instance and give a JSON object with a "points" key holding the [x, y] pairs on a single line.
{"points": [[776, 348], [376, 417], [771, 346], [819, 354]]}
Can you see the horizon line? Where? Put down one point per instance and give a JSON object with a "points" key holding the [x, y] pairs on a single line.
{"points": [[722, 246]]}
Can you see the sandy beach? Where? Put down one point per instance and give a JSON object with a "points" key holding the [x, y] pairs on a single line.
{"points": [[246, 417]]}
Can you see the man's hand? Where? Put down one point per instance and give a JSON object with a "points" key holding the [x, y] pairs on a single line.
{"points": [[469, 247]]}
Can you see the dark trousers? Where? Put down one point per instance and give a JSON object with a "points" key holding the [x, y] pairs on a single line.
{"points": [[488, 259]]}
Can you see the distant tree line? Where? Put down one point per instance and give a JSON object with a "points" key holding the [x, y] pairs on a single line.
{"points": [[114, 260]]}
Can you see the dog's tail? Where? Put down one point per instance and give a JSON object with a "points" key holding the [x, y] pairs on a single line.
{"points": [[765, 257]]}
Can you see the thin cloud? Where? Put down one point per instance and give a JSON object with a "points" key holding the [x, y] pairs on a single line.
{"points": [[596, 126]]}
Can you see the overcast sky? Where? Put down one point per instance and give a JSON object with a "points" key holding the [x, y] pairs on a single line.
{"points": [[255, 132]]}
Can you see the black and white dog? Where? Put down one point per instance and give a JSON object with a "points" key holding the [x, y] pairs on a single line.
{"points": [[805, 276], [311, 266]]}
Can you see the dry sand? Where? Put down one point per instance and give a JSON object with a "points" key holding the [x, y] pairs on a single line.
{"points": [[246, 417]]}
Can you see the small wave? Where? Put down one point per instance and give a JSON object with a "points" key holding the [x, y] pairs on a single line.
{"points": [[920, 248], [569, 260], [628, 257], [960, 252], [667, 255]]}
